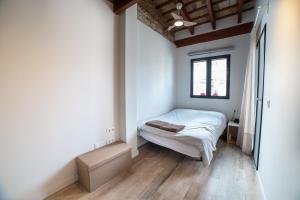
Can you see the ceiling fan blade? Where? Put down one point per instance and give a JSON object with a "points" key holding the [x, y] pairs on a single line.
{"points": [[187, 23], [175, 16], [171, 27]]}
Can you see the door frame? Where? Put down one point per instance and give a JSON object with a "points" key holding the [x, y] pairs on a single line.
{"points": [[263, 32]]}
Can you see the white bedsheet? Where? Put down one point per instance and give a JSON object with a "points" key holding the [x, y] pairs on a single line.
{"points": [[203, 129]]}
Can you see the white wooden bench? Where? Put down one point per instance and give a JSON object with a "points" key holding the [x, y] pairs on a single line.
{"points": [[99, 166]]}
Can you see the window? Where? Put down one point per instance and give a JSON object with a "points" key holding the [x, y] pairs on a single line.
{"points": [[210, 77]]}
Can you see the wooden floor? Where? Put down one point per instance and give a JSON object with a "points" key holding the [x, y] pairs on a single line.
{"points": [[162, 174]]}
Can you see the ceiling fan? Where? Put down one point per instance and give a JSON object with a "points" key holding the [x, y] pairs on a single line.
{"points": [[179, 19]]}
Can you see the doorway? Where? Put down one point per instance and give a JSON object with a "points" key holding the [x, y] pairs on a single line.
{"points": [[260, 75]]}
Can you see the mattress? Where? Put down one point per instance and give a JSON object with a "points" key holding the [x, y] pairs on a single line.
{"points": [[198, 138], [175, 145]]}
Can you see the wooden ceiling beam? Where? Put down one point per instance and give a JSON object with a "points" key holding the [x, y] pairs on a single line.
{"points": [[199, 17], [240, 10], [232, 14], [169, 11], [216, 35], [194, 10], [232, 6], [163, 4], [211, 14], [205, 6], [217, 18], [121, 5], [192, 2], [225, 9], [217, 2], [197, 9]]}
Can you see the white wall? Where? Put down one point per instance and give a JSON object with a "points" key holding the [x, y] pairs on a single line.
{"points": [[155, 73], [128, 62], [58, 90], [155, 76], [279, 162], [237, 74]]}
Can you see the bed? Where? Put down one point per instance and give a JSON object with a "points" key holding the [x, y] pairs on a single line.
{"points": [[199, 137]]}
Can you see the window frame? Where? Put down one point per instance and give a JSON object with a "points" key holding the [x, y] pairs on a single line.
{"points": [[208, 77]]}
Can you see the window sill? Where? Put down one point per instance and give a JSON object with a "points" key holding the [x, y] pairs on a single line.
{"points": [[208, 97]]}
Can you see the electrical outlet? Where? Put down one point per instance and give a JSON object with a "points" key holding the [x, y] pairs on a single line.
{"points": [[110, 130], [269, 103], [110, 141], [110, 135], [96, 145]]}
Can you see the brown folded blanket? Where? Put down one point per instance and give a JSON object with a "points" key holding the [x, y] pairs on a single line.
{"points": [[165, 126], [173, 128], [156, 123]]}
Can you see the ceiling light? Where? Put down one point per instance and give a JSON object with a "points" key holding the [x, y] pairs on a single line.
{"points": [[178, 23]]}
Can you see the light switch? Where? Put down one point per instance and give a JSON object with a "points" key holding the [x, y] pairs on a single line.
{"points": [[269, 103]]}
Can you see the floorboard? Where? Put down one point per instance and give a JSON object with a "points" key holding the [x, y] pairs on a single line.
{"points": [[161, 174]]}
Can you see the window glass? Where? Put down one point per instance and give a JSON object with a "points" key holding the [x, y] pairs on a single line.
{"points": [[218, 77], [199, 80]]}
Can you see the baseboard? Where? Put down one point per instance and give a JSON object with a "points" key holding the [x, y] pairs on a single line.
{"points": [[261, 186], [134, 153], [60, 185]]}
